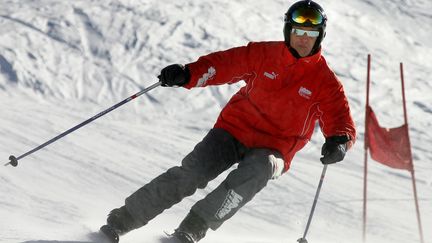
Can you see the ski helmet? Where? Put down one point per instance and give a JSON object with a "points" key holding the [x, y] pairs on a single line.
{"points": [[306, 13]]}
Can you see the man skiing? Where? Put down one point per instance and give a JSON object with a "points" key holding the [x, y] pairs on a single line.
{"points": [[289, 87]]}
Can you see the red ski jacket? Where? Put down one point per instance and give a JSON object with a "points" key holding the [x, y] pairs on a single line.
{"points": [[282, 99]]}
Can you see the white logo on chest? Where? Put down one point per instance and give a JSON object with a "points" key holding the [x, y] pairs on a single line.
{"points": [[305, 93], [272, 75]]}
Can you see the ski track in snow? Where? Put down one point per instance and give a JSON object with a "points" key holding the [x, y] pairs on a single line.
{"points": [[62, 62]]}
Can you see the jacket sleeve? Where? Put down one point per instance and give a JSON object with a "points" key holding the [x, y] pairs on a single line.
{"points": [[335, 119], [222, 67]]}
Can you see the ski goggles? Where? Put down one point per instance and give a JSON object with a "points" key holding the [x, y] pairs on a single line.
{"points": [[310, 33], [304, 15]]}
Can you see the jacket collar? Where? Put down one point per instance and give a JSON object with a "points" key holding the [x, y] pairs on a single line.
{"points": [[314, 59]]}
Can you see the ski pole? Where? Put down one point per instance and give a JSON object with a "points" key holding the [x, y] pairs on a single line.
{"points": [[14, 160], [303, 239]]}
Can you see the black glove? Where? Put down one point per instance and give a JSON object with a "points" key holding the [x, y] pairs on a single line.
{"points": [[334, 149], [174, 75]]}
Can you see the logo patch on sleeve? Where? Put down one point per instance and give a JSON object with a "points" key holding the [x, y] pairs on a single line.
{"points": [[211, 72]]}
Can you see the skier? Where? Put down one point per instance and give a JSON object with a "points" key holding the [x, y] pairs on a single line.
{"points": [[289, 87]]}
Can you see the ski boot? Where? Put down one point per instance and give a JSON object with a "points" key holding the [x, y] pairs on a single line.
{"points": [[119, 222], [192, 229], [110, 233]]}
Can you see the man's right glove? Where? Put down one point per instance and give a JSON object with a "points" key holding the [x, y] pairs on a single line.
{"points": [[174, 75], [334, 149]]}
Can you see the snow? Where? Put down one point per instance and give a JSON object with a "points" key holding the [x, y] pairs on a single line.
{"points": [[62, 62]]}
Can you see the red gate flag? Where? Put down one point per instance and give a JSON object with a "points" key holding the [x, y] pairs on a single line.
{"points": [[389, 146]]}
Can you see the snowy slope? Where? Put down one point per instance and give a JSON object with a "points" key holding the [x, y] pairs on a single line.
{"points": [[62, 62]]}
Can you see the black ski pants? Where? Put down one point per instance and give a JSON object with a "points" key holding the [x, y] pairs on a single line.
{"points": [[217, 152]]}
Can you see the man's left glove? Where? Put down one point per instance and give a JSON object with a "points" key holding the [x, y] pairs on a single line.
{"points": [[174, 75], [334, 149]]}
